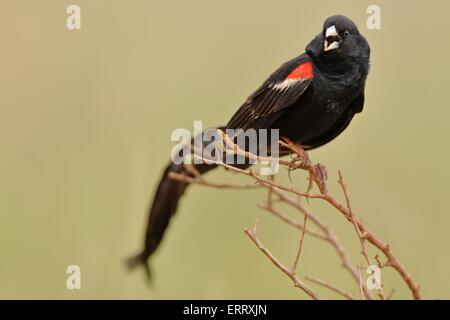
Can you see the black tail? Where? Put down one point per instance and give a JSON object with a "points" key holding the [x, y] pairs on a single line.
{"points": [[163, 208], [165, 204]]}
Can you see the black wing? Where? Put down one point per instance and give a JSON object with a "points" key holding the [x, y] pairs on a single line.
{"points": [[356, 106], [278, 92]]}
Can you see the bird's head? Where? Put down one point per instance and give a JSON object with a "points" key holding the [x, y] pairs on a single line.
{"points": [[339, 32], [340, 38]]}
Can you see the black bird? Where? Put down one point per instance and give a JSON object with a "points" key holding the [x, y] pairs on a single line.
{"points": [[311, 99]]}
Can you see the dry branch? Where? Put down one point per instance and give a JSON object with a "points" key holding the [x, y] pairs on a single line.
{"points": [[332, 287], [317, 176], [289, 272]]}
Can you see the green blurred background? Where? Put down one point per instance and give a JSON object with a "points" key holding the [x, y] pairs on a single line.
{"points": [[85, 125]]}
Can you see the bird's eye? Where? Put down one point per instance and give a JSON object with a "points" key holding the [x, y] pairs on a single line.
{"points": [[346, 33]]}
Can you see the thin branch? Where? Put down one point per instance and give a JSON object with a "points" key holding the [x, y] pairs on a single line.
{"points": [[361, 291], [300, 244], [295, 279], [357, 229], [385, 248], [231, 148], [391, 293], [284, 217], [184, 178], [330, 237], [332, 287]]}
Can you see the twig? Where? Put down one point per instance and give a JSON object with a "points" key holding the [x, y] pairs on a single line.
{"points": [[330, 237], [385, 248], [332, 287], [202, 182], [357, 229], [295, 279], [284, 217], [391, 293], [361, 291], [231, 148], [300, 244]]}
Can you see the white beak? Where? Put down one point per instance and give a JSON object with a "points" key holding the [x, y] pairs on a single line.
{"points": [[332, 33]]}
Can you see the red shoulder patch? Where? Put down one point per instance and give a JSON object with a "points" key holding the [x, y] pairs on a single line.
{"points": [[303, 71]]}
